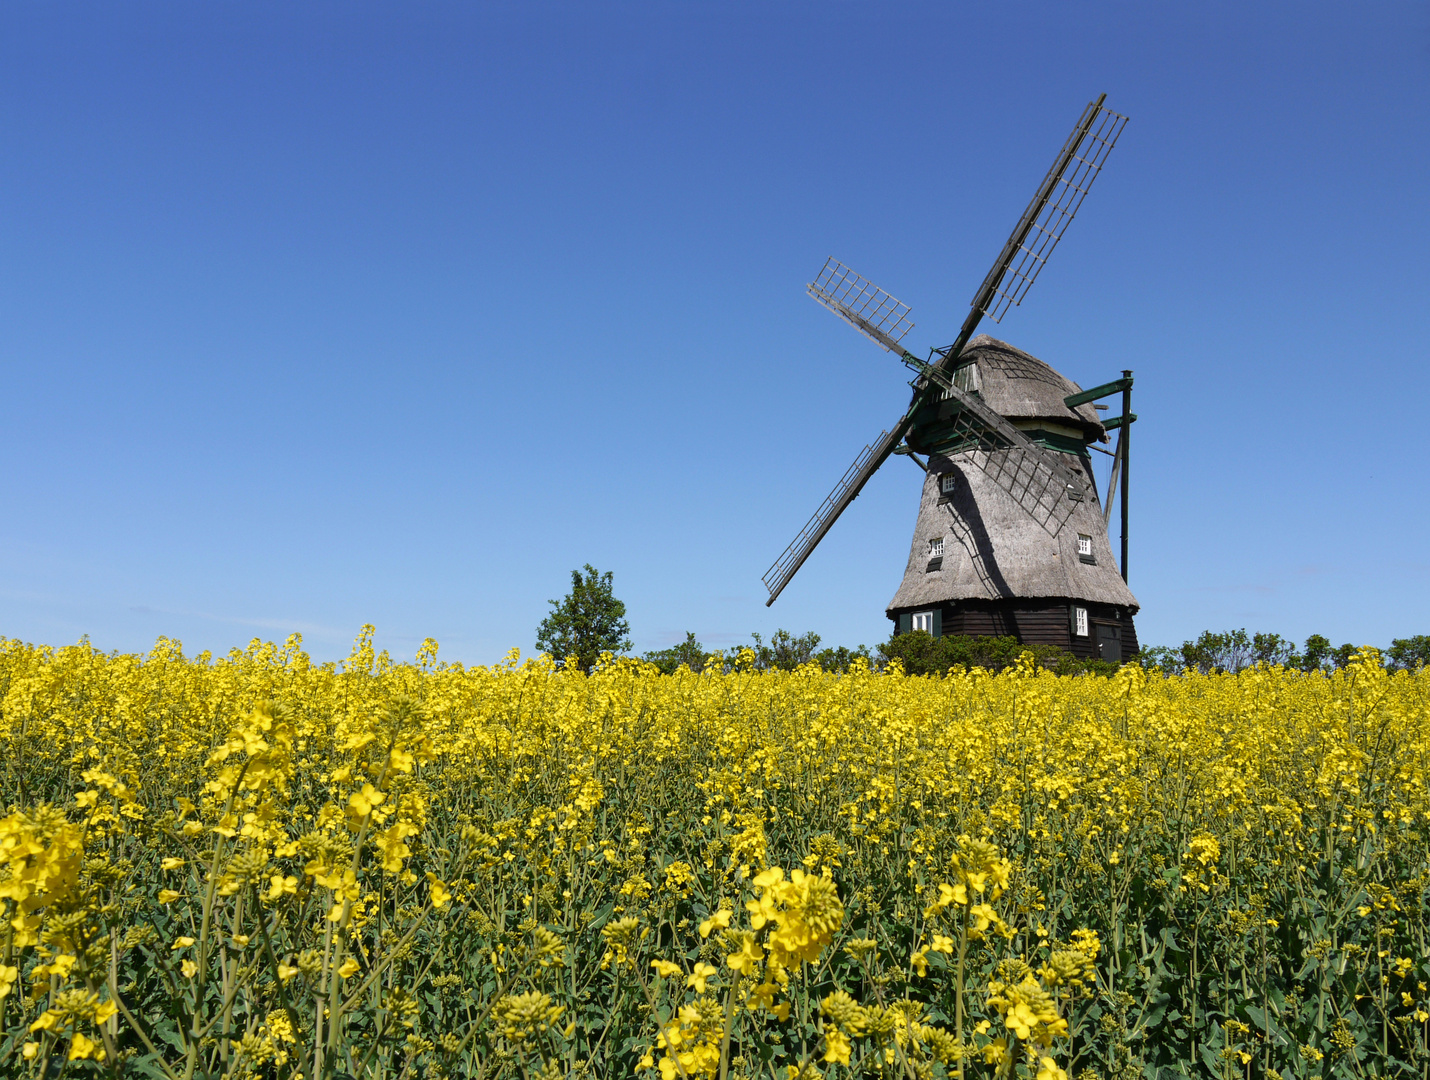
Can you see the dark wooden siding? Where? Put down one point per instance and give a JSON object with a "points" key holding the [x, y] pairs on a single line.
{"points": [[1034, 622], [1129, 636]]}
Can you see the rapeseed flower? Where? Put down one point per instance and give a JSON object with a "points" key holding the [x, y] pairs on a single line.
{"points": [[432, 826]]}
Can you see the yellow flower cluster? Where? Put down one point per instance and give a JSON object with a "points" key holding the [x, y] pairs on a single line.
{"points": [[253, 865]]}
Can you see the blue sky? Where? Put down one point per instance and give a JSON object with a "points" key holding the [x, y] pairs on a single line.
{"points": [[322, 314]]}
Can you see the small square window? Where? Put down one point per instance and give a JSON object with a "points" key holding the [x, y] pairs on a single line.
{"points": [[1084, 548], [1080, 621], [947, 483], [935, 555], [923, 620]]}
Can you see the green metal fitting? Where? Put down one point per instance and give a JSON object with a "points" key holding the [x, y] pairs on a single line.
{"points": [[1072, 401]]}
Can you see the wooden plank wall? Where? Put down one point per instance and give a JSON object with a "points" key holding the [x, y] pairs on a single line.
{"points": [[1129, 637], [1035, 624]]}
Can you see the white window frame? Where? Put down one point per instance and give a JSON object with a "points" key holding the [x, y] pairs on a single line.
{"points": [[947, 483], [922, 620], [1080, 626], [1084, 544], [936, 548]]}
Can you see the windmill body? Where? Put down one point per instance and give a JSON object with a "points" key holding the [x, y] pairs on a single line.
{"points": [[979, 564], [1010, 538]]}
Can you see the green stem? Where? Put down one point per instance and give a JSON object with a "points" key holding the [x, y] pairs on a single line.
{"points": [[958, 1001], [729, 1024]]}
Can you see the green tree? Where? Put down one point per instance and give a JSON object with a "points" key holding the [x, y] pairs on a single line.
{"points": [[1230, 651], [785, 652], [589, 621], [1159, 658], [689, 652], [839, 659], [1407, 654], [1318, 653], [1274, 649], [1235, 650]]}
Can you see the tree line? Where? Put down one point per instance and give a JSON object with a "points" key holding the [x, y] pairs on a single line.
{"points": [[1235, 650], [590, 620], [922, 654]]}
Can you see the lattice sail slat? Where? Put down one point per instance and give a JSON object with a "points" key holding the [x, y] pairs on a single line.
{"points": [[854, 478], [1033, 477], [862, 304], [1053, 207]]}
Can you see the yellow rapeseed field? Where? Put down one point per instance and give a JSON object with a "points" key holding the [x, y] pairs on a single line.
{"points": [[252, 865]]}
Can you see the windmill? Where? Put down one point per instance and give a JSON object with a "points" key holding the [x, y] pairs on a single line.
{"points": [[1010, 537]]}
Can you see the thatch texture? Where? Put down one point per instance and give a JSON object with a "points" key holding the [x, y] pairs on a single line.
{"points": [[1021, 386], [992, 548]]}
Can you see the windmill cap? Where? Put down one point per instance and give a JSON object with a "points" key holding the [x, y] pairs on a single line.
{"points": [[1022, 387]]}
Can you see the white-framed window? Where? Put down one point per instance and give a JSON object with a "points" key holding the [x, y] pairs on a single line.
{"points": [[1084, 548], [947, 482], [923, 620], [1080, 621], [936, 548]]}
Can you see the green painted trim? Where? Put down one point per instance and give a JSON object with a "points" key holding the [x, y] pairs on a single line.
{"points": [[1112, 423], [1072, 401], [1054, 441], [927, 436]]}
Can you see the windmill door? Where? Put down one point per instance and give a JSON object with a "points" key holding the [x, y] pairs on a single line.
{"points": [[1109, 642]]}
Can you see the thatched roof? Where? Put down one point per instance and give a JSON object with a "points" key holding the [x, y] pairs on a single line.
{"points": [[993, 549], [1021, 386]]}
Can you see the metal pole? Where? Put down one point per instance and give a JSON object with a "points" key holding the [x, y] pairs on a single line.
{"points": [[1112, 484], [1125, 438]]}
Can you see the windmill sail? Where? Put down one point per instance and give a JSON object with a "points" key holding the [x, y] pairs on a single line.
{"points": [[862, 304], [844, 493], [1033, 477], [1054, 205]]}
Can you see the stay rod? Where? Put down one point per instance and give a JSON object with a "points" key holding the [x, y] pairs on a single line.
{"points": [[1126, 440]]}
